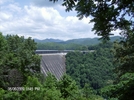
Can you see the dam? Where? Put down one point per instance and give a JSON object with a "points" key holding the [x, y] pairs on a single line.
{"points": [[54, 64], [53, 61]]}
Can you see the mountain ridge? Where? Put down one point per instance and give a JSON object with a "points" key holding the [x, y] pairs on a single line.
{"points": [[48, 40], [81, 41]]}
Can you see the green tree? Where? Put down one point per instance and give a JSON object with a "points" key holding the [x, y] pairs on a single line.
{"points": [[33, 89], [68, 88], [86, 68], [22, 53], [88, 91], [17, 60], [1, 93], [3, 55], [50, 88], [124, 55], [107, 15]]}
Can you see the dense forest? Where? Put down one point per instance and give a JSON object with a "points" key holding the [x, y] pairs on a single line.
{"points": [[91, 74], [59, 46], [94, 68], [73, 44], [21, 78]]}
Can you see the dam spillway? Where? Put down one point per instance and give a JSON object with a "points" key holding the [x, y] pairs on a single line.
{"points": [[53, 61], [54, 64]]}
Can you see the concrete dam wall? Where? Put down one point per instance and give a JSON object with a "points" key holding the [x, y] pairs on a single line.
{"points": [[53, 61], [54, 64]]}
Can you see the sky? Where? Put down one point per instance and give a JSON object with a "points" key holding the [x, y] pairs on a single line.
{"points": [[42, 19]]}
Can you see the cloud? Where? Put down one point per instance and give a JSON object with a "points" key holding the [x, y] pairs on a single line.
{"points": [[42, 22], [45, 3], [5, 1]]}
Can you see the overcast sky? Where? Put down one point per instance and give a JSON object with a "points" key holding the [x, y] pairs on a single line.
{"points": [[42, 19]]}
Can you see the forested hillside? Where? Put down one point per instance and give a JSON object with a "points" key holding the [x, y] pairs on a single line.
{"points": [[17, 60], [110, 17], [74, 44], [90, 76], [21, 79], [94, 68], [58, 46]]}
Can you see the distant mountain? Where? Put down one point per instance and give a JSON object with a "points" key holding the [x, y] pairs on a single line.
{"points": [[89, 41], [80, 41], [84, 41], [114, 38], [48, 40]]}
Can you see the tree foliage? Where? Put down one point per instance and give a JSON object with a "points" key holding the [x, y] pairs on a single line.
{"points": [[68, 88], [60, 46], [86, 68], [20, 75], [107, 15], [124, 56], [50, 89], [17, 60]]}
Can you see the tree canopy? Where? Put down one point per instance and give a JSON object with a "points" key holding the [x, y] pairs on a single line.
{"points": [[17, 60], [107, 15], [86, 68], [20, 77]]}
